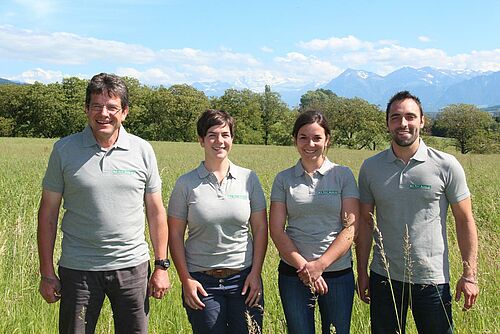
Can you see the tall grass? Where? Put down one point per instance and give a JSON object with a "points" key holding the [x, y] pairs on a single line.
{"points": [[22, 310]]}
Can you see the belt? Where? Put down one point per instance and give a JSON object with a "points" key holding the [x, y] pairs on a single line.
{"points": [[221, 272]]}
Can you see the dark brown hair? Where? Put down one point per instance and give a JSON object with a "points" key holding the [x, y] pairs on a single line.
{"points": [[111, 83], [310, 117], [213, 117], [400, 96]]}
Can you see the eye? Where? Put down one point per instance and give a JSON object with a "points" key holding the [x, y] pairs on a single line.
{"points": [[317, 138], [113, 109]]}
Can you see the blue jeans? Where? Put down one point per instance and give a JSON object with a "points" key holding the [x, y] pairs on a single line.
{"points": [[83, 293], [430, 305], [335, 307], [225, 307]]}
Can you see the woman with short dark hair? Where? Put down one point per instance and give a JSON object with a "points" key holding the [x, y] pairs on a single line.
{"points": [[224, 209]]}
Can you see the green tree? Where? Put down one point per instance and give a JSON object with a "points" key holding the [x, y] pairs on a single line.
{"points": [[41, 113], [11, 104], [355, 123], [244, 106], [273, 109], [73, 115], [187, 105], [466, 124]]}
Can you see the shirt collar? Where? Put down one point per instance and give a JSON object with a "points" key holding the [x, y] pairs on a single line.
{"points": [[122, 142], [420, 155], [325, 167], [203, 172]]}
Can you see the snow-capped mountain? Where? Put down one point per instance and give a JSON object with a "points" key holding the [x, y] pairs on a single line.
{"points": [[436, 88]]}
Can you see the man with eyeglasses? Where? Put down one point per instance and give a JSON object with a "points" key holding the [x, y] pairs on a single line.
{"points": [[106, 177]]}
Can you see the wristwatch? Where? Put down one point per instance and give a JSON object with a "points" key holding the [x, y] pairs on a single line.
{"points": [[164, 263]]}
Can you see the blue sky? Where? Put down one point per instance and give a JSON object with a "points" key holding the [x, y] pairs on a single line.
{"points": [[244, 43]]}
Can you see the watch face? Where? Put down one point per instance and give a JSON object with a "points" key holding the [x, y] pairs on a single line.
{"points": [[165, 264]]}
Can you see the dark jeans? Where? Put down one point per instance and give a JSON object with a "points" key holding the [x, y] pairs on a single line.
{"points": [[83, 293], [225, 309], [335, 307], [430, 305]]}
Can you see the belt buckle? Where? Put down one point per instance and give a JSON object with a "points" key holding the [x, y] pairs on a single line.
{"points": [[221, 272]]}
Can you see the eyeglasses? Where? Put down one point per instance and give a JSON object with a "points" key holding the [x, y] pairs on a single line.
{"points": [[112, 109]]}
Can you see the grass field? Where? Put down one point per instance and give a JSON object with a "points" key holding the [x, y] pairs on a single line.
{"points": [[22, 310]]}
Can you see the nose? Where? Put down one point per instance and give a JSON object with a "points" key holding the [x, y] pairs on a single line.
{"points": [[404, 122]]}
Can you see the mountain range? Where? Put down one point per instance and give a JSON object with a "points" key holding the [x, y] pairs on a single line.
{"points": [[436, 88]]}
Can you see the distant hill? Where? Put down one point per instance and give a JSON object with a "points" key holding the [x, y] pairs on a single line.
{"points": [[436, 88], [6, 82]]}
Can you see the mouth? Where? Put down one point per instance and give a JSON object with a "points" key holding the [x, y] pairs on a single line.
{"points": [[103, 122], [310, 151], [403, 132]]}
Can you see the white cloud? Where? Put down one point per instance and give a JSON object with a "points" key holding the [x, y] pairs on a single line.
{"points": [[267, 49], [318, 60], [349, 43], [424, 39], [40, 75], [38, 8], [66, 48]]}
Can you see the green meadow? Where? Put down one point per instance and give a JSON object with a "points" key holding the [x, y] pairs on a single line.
{"points": [[22, 310]]}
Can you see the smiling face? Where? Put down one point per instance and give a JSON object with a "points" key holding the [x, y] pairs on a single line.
{"points": [[311, 143], [404, 123], [105, 116], [217, 142]]}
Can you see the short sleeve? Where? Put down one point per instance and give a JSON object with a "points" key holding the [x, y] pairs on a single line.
{"points": [[257, 198], [365, 194], [278, 193], [349, 187], [456, 188], [153, 183], [178, 203], [54, 179]]}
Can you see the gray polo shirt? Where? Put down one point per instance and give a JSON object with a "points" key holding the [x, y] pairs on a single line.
{"points": [[103, 193], [416, 195], [217, 216], [314, 207]]}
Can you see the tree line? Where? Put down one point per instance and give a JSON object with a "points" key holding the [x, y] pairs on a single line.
{"points": [[169, 114]]}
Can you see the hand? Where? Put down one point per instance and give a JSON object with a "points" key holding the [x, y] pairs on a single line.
{"points": [[50, 289], [470, 291], [253, 285], [191, 288], [158, 284], [320, 286], [364, 287], [310, 272]]}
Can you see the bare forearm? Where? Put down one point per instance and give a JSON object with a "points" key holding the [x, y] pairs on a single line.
{"points": [[48, 215], [363, 248], [468, 245], [260, 241], [466, 236], [177, 251], [158, 232], [287, 249], [339, 247], [46, 239]]}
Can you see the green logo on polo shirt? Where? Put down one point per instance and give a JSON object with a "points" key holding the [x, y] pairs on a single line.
{"points": [[123, 171], [420, 186], [328, 192], [234, 196]]}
